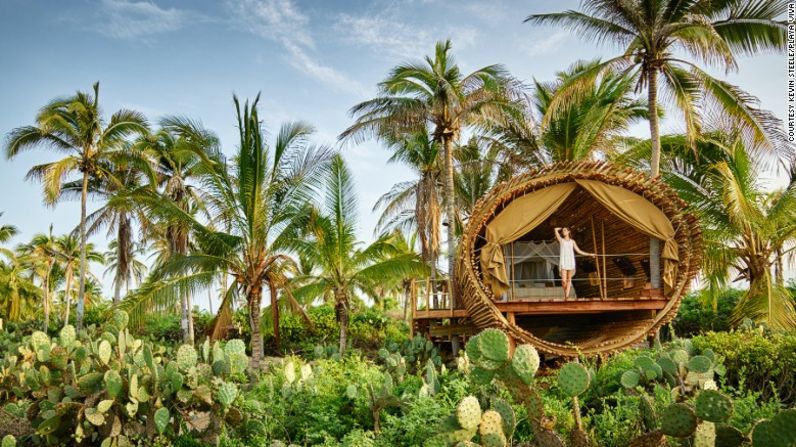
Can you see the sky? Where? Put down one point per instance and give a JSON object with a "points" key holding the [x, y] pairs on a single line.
{"points": [[310, 59]]}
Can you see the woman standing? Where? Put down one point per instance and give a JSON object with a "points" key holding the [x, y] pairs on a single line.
{"points": [[566, 262]]}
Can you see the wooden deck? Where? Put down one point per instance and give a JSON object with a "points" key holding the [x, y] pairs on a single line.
{"points": [[555, 307]]}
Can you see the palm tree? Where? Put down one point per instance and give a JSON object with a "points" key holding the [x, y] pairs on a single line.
{"points": [[344, 268], [744, 226], [18, 292], [593, 121], [74, 126], [41, 253], [654, 32], [175, 153], [68, 254], [414, 206], [125, 265], [6, 232], [254, 201], [437, 94]]}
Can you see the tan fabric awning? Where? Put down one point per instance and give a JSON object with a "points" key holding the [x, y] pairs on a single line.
{"points": [[529, 211]]}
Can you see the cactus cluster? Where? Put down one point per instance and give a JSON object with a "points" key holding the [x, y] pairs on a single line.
{"points": [[115, 389], [493, 427], [678, 367], [492, 357]]}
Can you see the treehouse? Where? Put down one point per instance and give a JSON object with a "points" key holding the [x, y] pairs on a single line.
{"points": [[507, 266]]}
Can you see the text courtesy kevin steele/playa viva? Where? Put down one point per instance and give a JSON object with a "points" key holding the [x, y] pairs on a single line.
{"points": [[791, 71]]}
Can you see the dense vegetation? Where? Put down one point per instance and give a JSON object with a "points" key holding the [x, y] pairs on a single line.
{"points": [[329, 360]]}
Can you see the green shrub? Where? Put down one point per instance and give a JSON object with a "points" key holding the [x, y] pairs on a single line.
{"points": [[756, 361], [695, 316]]}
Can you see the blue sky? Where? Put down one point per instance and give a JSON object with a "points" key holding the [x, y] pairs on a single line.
{"points": [[312, 60]]}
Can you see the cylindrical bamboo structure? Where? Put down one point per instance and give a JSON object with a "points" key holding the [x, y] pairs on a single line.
{"points": [[609, 335]]}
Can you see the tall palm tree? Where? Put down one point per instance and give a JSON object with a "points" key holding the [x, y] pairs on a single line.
{"points": [[744, 226], [414, 206], [68, 254], [125, 265], [344, 267], [653, 32], [435, 93], [41, 253], [175, 151], [254, 200], [74, 126]]}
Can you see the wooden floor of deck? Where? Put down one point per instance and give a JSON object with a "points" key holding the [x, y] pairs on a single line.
{"points": [[555, 307]]}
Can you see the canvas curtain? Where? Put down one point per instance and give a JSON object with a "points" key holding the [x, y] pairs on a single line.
{"points": [[519, 217], [642, 215], [528, 212]]}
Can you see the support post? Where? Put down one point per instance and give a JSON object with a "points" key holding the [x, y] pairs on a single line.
{"points": [[655, 263]]}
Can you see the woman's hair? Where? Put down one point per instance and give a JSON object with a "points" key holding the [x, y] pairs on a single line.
{"points": [[566, 229]]}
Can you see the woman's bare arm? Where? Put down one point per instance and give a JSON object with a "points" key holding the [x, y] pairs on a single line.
{"points": [[581, 252], [558, 236]]}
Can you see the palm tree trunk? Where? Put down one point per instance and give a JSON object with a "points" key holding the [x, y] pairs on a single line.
{"points": [[341, 309], [655, 168], [123, 255], [81, 294], [189, 305], [450, 206], [46, 289], [254, 298], [275, 316], [67, 291], [779, 272]]}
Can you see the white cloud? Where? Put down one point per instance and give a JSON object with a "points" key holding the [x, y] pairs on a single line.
{"points": [[546, 45], [303, 62], [125, 19], [273, 19], [385, 35], [281, 21]]}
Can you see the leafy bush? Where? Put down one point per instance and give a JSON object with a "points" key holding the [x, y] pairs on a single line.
{"points": [[756, 361], [695, 316]]}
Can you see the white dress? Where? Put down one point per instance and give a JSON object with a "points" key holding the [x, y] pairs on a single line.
{"points": [[567, 258]]}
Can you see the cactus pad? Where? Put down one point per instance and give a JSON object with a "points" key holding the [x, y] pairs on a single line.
{"points": [[507, 416], [39, 339], [162, 417], [186, 357], [648, 415], [468, 413], [120, 319], [525, 363], [630, 378], [104, 352], [667, 365], [491, 422], [494, 345], [573, 379], [779, 431], [699, 364], [713, 406], [678, 420], [493, 440], [705, 435], [67, 336], [729, 436], [226, 393]]}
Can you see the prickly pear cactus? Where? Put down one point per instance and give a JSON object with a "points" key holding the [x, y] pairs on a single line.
{"points": [[8, 441], [779, 431], [67, 336], [525, 363], [491, 429], [226, 393], [678, 420], [186, 357], [468, 413], [573, 379], [713, 406]]}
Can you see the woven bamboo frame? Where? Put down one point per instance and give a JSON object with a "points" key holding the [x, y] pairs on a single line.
{"points": [[479, 300]]}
